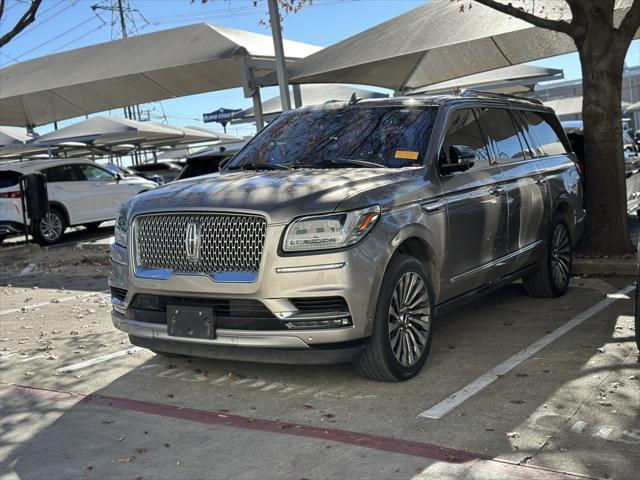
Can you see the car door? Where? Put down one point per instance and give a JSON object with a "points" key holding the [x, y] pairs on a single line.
{"points": [[67, 187], [108, 191], [476, 208], [524, 184]]}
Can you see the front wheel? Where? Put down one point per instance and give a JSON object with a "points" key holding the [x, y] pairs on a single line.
{"points": [[551, 278], [401, 337], [50, 229]]}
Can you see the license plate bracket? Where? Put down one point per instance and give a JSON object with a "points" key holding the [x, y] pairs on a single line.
{"points": [[191, 322]]}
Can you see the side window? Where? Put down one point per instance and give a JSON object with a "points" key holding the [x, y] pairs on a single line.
{"points": [[502, 135], [463, 131], [62, 173], [95, 174], [544, 133]]}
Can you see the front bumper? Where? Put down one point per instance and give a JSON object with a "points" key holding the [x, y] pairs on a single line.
{"points": [[352, 274]]}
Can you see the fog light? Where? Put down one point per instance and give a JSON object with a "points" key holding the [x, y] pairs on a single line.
{"points": [[331, 323]]}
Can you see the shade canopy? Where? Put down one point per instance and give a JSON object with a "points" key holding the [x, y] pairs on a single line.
{"points": [[513, 79], [435, 43], [160, 65], [634, 107], [13, 136], [104, 131], [315, 94], [570, 105]]}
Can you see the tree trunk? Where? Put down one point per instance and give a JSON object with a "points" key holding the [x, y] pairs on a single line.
{"points": [[607, 227]]}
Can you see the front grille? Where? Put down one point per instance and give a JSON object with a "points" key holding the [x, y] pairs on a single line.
{"points": [[228, 243], [234, 314]]}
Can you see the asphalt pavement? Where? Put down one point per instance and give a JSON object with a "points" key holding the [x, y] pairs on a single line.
{"points": [[514, 388]]}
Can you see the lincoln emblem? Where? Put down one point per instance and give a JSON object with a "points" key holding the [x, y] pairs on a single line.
{"points": [[192, 241]]}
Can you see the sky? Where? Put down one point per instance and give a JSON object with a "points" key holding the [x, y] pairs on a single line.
{"points": [[67, 24]]}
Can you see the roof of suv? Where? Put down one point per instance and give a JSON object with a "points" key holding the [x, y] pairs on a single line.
{"points": [[467, 96]]}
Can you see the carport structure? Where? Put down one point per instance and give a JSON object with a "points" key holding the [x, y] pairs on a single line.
{"points": [[435, 43], [166, 64]]}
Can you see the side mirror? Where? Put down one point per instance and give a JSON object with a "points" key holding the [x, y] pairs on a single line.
{"points": [[461, 158], [118, 176]]}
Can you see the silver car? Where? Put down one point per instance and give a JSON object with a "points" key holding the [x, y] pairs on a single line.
{"points": [[340, 231]]}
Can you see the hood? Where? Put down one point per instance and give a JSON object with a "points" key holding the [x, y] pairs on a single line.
{"points": [[280, 195]]}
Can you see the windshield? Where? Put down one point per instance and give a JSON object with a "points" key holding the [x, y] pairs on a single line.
{"points": [[348, 136]]}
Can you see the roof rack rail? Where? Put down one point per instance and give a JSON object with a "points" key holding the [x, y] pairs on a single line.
{"points": [[469, 92]]}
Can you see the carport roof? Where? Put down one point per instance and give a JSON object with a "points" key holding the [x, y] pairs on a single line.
{"points": [[165, 64], [512, 79], [434, 43], [570, 105]]}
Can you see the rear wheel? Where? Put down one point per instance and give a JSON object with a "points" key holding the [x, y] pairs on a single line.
{"points": [[551, 278], [2, 237], [50, 229], [401, 335]]}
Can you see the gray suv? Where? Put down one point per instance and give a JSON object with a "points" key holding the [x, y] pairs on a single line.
{"points": [[340, 231]]}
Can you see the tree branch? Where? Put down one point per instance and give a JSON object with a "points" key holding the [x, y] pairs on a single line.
{"points": [[1, 8], [631, 22], [509, 9], [26, 19]]}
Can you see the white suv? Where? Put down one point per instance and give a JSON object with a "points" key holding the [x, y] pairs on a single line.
{"points": [[81, 192]]}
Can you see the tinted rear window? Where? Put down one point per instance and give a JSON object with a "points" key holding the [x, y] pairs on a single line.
{"points": [[63, 173], [542, 132], [9, 178], [195, 168], [502, 134]]}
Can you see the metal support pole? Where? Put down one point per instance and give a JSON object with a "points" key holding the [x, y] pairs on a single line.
{"points": [[297, 96], [23, 191], [257, 109], [281, 64]]}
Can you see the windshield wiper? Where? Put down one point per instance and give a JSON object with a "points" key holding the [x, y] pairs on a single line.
{"points": [[338, 163], [258, 166]]}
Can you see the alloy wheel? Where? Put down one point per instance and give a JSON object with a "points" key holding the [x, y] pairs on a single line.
{"points": [[560, 255], [409, 319], [51, 226]]}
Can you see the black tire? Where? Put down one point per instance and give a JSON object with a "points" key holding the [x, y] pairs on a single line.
{"points": [[43, 230], [2, 237], [379, 361], [551, 278], [92, 225]]}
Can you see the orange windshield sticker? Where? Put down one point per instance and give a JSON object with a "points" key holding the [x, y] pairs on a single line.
{"points": [[407, 154]]}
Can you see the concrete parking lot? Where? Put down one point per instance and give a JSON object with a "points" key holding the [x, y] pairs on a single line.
{"points": [[514, 388]]}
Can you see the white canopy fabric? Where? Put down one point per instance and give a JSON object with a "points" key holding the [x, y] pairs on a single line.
{"points": [[103, 130], [570, 105], [160, 65], [513, 79], [435, 43], [634, 107], [310, 95], [13, 136]]}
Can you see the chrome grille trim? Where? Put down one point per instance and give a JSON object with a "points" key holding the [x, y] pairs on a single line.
{"points": [[230, 249]]}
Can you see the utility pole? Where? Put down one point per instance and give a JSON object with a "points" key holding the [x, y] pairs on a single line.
{"points": [[281, 64], [123, 25]]}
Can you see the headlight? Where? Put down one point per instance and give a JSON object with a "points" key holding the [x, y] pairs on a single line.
{"points": [[122, 227], [325, 232]]}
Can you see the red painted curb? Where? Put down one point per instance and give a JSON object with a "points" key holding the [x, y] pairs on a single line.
{"points": [[364, 440]]}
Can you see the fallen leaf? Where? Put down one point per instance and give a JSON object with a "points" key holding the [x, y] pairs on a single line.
{"points": [[513, 435], [141, 450], [107, 421], [125, 459], [307, 406]]}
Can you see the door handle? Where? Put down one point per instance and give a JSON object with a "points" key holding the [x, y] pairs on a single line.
{"points": [[497, 191], [433, 207]]}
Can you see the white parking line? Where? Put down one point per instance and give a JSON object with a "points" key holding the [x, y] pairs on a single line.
{"points": [[100, 359], [466, 392], [50, 302]]}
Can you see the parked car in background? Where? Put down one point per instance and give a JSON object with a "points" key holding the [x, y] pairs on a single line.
{"points": [[575, 132], [81, 192], [119, 169], [340, 230], [205, 162], [159, 172]]}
